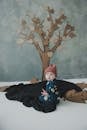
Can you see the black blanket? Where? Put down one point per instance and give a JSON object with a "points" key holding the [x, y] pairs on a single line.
{"points": [[28, 93]]}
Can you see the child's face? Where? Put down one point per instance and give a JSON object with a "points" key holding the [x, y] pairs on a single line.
{"points": [[50, 76]]}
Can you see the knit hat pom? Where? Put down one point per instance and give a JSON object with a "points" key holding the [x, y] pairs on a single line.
{"points": [[51, 68]]}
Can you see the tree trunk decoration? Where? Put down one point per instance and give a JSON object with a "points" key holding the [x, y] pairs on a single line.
{"points": [[44, 45]]}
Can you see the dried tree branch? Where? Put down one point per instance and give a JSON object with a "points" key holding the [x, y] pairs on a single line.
{"points": [[54, 25], [37, 47], [38, 28], [57, 43], [36, 44], [68, 30], [31, 37]]}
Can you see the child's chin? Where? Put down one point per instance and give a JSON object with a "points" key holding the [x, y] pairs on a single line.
{"points": [[50, 80]]}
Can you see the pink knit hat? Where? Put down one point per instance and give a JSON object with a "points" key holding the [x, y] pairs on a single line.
{"points": [[51, 68]]}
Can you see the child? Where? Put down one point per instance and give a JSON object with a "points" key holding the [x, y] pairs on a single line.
{"points": [[50, 94]]}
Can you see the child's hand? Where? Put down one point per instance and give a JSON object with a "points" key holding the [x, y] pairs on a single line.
{"points": [[44, 92]]}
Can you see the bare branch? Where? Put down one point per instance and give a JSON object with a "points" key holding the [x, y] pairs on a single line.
{"points": [[50, 12], [60, 20], [54, 26], [23, 24], [57, 43], [38, 28], [35, 20], [31, 37], [23, 35], [72, 35], [37, 46], [68, 30]]}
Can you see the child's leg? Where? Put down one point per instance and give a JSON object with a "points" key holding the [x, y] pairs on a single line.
{"points": [[74, 96]]}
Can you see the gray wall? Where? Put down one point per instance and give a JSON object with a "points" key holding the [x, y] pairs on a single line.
{"points": [[23, 62]]}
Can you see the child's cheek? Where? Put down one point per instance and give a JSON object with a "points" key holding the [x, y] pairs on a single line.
{"points": [[52, 77], [47, 76]]}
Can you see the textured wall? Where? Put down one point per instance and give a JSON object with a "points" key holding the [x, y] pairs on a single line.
{"points": [[23, 62]]}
